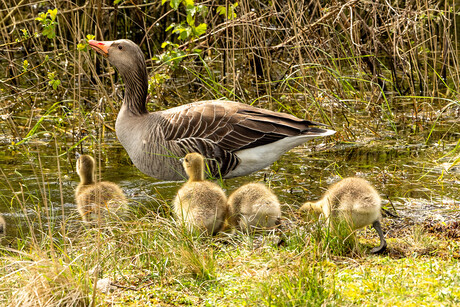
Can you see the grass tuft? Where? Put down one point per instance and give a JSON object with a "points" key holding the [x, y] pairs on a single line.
{"points": [[41, 281]]}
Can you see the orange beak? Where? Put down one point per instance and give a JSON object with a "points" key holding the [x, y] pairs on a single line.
{"points": [[101, 47]]}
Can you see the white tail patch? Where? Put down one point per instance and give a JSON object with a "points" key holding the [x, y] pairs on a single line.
{"points": [[254, 159]]}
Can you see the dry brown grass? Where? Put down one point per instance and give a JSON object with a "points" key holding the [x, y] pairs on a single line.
{"points": [[42, 282]]}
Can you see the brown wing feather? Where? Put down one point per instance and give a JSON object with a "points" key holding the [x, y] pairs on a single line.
{"points": [[233, 126]]}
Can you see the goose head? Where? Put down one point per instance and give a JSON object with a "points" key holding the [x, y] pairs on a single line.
{"points": [[128, 59], [124, 54], [85, 168], [194, 166]]}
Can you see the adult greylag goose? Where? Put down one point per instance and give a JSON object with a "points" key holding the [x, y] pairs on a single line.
{"points": [[201, 204], [95, 198], [237, 138], [254, 206], [355, 201]]}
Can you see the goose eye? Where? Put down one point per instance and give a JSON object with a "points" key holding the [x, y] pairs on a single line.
{"points": [[120, 47]]}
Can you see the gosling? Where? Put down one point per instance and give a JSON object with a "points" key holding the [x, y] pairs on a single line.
{"points": [[355, 201], [95, 198], [254, 206], [200, 204], [2, 226]]}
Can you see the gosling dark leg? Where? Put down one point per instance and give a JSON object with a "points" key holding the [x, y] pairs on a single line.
{"points": [[383, 243]]}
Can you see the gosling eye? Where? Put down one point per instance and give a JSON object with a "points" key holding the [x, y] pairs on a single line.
{"points": [[120, 47]]}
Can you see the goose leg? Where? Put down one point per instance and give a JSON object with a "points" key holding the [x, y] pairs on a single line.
{"points": [[383, 243]]}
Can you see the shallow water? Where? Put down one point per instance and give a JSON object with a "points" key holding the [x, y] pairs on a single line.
{"points": [[418, 180]]}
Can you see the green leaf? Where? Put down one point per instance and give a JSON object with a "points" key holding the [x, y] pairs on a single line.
{"points": [[170, 27], [221, 10], [56, 83], [82, 47], [49, 32], [184, 34], [168, 43], [25, 33], [46, 32], [201, 29], [232, 11], [25, 65], [191, 10], [189, 3], [53, 14], [174, 4], [41, 17], [230, 14], [190, 20]]}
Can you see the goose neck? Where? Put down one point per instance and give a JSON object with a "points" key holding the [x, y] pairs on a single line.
{"points": [[196, 175], [136, 87], [86, 177], [86, 181]]}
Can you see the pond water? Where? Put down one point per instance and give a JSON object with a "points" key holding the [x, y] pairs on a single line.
{"points": [[420, 181]]}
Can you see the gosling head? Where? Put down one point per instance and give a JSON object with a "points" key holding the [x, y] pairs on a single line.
{"points": [[85, 168], [194, 166], [311, 208], [306, 207], [2, 226]]}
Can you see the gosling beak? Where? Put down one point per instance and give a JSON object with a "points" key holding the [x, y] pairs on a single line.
{"points": [[181, 160], [101, 47]]}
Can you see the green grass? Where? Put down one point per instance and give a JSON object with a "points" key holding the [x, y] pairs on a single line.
{"points": [[151, 260], [407, 281]]}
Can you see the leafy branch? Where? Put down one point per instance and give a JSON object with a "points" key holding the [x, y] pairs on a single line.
{"points": [[48, 22]]}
